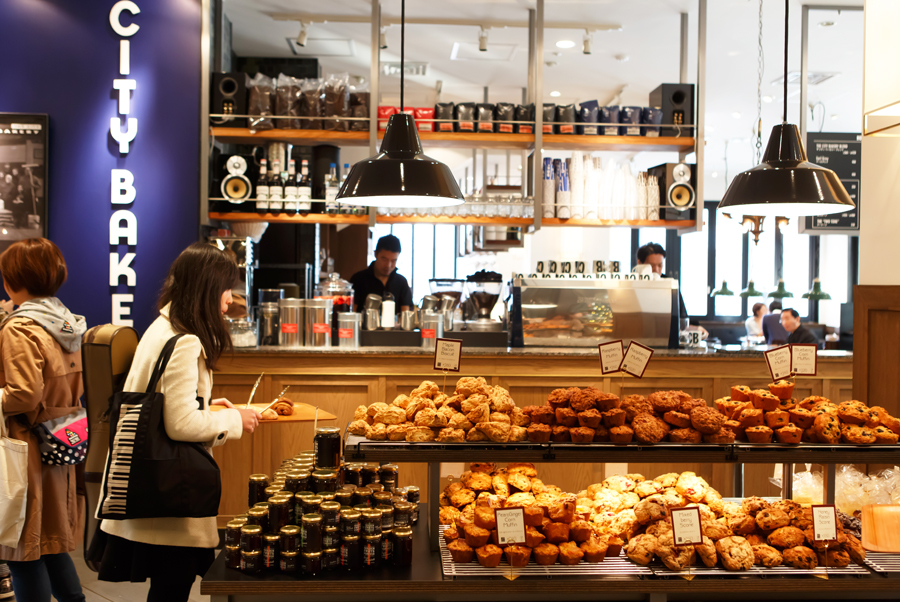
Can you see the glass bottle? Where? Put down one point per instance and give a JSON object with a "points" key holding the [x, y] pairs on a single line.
{"points": [[290, 189], [276, 189], [262, 189], [332, 186], [304, 189]]}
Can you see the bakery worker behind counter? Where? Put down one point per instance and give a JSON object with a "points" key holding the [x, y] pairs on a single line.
{"points": [[654, 255], [381, 276], [790, 319]]}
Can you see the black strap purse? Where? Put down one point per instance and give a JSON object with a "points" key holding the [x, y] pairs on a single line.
{"points": [[149, 475]]}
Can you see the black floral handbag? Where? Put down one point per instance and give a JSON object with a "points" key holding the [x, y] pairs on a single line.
{"points": [[148, 474]]}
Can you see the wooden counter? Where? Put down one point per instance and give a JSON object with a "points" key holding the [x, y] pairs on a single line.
{"points": [[340, 381]]}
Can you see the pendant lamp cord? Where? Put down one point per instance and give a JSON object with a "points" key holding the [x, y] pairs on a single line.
{"points": [[403, 44], [786, 27]]}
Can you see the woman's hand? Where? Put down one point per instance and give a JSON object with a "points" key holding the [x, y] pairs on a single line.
{"points": [[221, 402], [249, 418]]}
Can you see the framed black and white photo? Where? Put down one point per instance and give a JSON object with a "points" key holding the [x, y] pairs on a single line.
{"points": [[23, 177]]}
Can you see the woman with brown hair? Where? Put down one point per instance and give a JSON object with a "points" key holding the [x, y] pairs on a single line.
{"points": [[754, 322], [171, 552], [40, 375]]}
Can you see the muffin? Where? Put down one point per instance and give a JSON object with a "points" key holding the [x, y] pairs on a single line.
{"points": [[707, 420], [560, 434], [557, 533], [648, 428], [853, 412], [751, 417], [677, 419], [858, 435], [485, 518], [543, 415], [802, 417], [606, 401], [570, 553], [781, 389], [614, 546], [777, 419], [621, 434], [665, 401], [580, 531], [538, 433], [489, 556], [476, 536], [827, 428], [583, 400], [740, 393], [601, 434], [517, 555], [582, 434], [594, 550], [685, 435], [787, 404], [546, 554], [613, 417], [735, 427], [789, 434], [558, 398], [759, 434], [725, 436], [589, 418], [460, 551], [766, 401], [533, 537], [534, 516], [566, 417], [634, 405]]}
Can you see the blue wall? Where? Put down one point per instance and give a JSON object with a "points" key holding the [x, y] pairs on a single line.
{"points": [[60, 57]]}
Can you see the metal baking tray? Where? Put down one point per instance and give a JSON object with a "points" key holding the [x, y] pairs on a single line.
{"points": [[761, 572], [883, 562]]}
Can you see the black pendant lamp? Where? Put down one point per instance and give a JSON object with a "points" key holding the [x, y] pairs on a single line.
{"points": [[400, 175], [786, 183]]}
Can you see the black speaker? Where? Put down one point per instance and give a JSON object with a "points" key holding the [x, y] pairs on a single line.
{"points": [[677, 190], [677, 104], [228, 96]]}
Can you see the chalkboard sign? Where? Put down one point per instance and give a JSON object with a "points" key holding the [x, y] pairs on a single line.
{"points": [[841, 153]]}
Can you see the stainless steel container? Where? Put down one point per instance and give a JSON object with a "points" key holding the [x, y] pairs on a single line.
{"points": [[270, 295], [447, 314], [373, 319], [268, 315], [349, 325], [318, 322], [291, 322], [432, 328], [408, 319]]}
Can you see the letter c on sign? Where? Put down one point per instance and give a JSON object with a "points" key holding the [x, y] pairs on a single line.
{"points": [[118, 7]]}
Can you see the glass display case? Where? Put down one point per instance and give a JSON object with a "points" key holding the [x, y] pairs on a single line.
{"points": [[584, 311]]}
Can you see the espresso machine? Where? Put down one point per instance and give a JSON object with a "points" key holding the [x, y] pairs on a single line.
{"points": [[484, 290]]}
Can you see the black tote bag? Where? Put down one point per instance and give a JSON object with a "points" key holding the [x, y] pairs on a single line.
{"points": [[149, 475]]}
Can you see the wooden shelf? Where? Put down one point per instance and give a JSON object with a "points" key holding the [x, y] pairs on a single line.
{"points": [[471, 220], [617, 143], [300, 137], [476, 140], [555, 221], [310, 218]]}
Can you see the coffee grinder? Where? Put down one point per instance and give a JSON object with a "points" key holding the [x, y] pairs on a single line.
{"points": [[484, 290]]}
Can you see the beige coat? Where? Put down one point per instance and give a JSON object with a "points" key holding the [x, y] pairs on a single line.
{"points": [[40, 381], [185, 380]]}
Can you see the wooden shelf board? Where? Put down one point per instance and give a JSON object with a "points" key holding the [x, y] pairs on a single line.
{"points": [[301, 137], [311, 218], [465, 220], [476, 140], [555, 221], [616, 143]]}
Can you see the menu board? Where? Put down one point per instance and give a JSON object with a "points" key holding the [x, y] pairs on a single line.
{"points": [[841, 153]]}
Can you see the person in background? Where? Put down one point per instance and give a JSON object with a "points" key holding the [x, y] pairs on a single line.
{"points": [[171, 552], [381, 276], [790, 319], [754, 323], [771, 325], [654, 255], [40, 351]]}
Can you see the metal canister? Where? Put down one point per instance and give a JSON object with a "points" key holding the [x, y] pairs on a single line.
{"points": [[432, 329], [291, 322], [318, 322], [269, 318], [349, 325]]}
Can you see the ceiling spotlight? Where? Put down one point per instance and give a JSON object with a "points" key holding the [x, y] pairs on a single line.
{"points": [[736, 115], [565, 44], [554, 94], [826, 23], [622, 58], [482, 40], [301, 37], [767, 99], [586, 43], [382, 39]]}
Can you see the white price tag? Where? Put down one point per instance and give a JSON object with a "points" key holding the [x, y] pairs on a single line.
{"points": [[803, 359], [611, 356], [824, 523], [446, 354], [637, 357], [779, 362], [510, 525], [686, 525]]}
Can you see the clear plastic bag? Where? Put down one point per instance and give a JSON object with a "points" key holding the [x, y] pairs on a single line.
{"points": [[337, 101], [312, 103], [359, 106], [260, 101], [287, 101]]}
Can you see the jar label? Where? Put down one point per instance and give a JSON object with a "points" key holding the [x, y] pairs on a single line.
{"points": [[321, 328], [289, 328], [506, 128], [525, 129], [428, 333], [345, 333]]}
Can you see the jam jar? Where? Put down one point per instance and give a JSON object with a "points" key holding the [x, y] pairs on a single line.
{"points": [[351, 553], [415, 513], [412, 494], [371, 522], [324, 480], [331, 559], [312, 563], [297, 480], [331, 513], [311, 533], [350, 524], [403, 546], [387, 517], [326, 496], [279, 513], [353, 474], [233, 533], [376, 487], [362, 496], [327, 443], [381, 498], [271, 491], [371, 550], [258, 484], [233, 557], [403, 514], [330, 538], [251, 562], [311, 504], [388, 475], [386, 553], [289, 562], [251, 538], [369, 474], [270, 552], [290, 538], [344, 498], [258, 516]]}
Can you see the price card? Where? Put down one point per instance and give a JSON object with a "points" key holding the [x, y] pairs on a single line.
{"points": [[779, 362], [824, 523], [510, 525], [686, 525], [637, 357], [803, 359], [446, 354], [611, 356]]}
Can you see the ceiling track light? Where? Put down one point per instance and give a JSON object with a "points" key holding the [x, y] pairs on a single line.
{"points": [[586, 43], [382, 39], [482, 40], [301, 37]]}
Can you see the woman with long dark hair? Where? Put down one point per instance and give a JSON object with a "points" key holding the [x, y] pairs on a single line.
{"points": [[171, 552]]}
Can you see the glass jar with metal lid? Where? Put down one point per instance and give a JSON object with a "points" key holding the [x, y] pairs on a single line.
{"points": [[387, 516], [402, 514], [252, 562], [233, 557], [415, 513], [376, 487], [297, 480], [412, 494], [271, 491], [251, 538], [353, 474], [258, 516], [289, 538], [233, 532], [350, 521], [312, 563], [351, 554], [381, 498], [257, 491], [311, 533], [331, 559], [324, 480], [279, 513], [270, 552], [289, 562], [371, 550], [362, 496], [369, 474], [327, 496], [403, 546], [370, 522], [344, 498], [330, 538], [331, 513], [311, 504], [388, 474], [327, 442], [386, 554]]}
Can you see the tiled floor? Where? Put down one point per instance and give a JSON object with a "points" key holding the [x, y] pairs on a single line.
{"points": [[104, 591]]}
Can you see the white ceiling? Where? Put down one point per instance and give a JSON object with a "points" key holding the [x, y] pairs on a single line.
{"points": [[649, 37]]}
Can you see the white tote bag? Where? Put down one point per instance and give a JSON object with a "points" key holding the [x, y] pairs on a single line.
{"points": [[13, 484]]}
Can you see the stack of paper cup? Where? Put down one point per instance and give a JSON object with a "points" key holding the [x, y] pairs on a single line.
{"points": [[548, 189], [577, 184], [563, 193]]}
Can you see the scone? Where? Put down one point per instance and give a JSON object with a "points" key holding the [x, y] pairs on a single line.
{"points": [[736, 553], [765, 555], [800, 557], [786, 537], [641, 549], [707, 552], [419, 434], [446, 435]]}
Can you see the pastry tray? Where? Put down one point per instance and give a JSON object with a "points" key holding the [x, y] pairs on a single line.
{"points": [[883, 562], [853, 570], [610, 568]]}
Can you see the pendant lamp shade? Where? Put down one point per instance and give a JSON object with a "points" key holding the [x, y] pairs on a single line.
{"points": [[400, 175], [751, 291], [780, 292], [816, 293], [723, 292], [786, 183]]}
